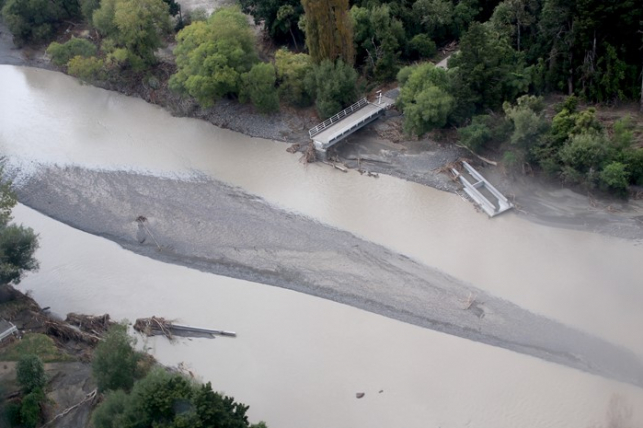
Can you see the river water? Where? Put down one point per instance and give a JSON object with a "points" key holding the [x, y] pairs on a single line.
{"points": [[588, 281], [299, 360]]}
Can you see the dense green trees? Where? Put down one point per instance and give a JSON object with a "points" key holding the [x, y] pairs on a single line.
{"points": [[583, 52], [30, 373], [17, 243], [62, 53], [333, 85], [379, 38], [424, 98], [292, 70], [36, 21], [137, 26], [162, 399], [329, 30], [579, 150], [486, 72], [280, 18], [115, 361], [212, 56], [258, 87]]}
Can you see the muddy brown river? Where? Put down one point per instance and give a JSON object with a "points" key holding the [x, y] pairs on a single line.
{"points": [[321, 353]]}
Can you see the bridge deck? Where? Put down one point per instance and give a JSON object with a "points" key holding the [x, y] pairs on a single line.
{"points": [[349, 124]]}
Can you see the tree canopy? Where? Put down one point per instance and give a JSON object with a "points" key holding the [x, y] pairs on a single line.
{"points": [[115, 361], [18, 244], [162, 399], [333, 85], [137, 26], [212, 56], [329, 30], [424, 98], [36, 21]]}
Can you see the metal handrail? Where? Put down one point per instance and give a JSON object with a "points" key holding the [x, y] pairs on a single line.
{"points": [[339, 116], [353, 125]]}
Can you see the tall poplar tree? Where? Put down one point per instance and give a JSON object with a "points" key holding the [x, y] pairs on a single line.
{"points": [[329, 30]]}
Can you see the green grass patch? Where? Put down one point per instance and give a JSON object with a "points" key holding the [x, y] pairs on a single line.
{"points": [[34, 343]]}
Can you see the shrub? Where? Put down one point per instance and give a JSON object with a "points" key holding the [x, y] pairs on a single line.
{"points": [[115, 361], [17, 247], [634, 161], [292, 70], [36, 20], [110, 413], [528, 120], [585, 152], [421, 46], [87, 69], [11, 416], [424, 98], [615, 177], [62, 53], [88, 7], [211, 56], [334, 85], [509, 159], [259, 88], [476, 135], [169, 399], [622, 133], [30, 373], [30, 413]]}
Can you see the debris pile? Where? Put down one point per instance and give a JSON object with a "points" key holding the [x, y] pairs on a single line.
{"points": [[96, 325]]}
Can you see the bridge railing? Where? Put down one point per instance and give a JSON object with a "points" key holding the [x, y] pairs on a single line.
{"points": [[339, 116]]}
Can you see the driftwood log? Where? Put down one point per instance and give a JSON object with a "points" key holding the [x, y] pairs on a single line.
{"points": [[96, 325]]}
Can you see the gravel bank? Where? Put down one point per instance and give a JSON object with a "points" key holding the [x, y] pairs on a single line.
{"points": [[210, 226]]}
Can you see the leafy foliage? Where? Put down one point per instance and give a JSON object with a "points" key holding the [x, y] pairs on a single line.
{"points": [[333, 85], [378, 37], [87, 69], [259, 88], [115, 361], [35, 21], [424, 98], [110, 413], [17, 247], [212, 56], [579, 150], [329, 30], [292, 70], [421, 46], [30, 373], [36, 344], [615, 177], [584, 55], [30, 414], [280, 18], [476, 135], [170, 400], [88, 7], [135, 25], [486, 71], [62, 53], [528, 120]]}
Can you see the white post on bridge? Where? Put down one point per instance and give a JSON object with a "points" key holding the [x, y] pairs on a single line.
{"points": [[379, 97]]}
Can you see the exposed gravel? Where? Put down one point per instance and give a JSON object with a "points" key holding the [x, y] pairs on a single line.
{"points": [[210, 226]]}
